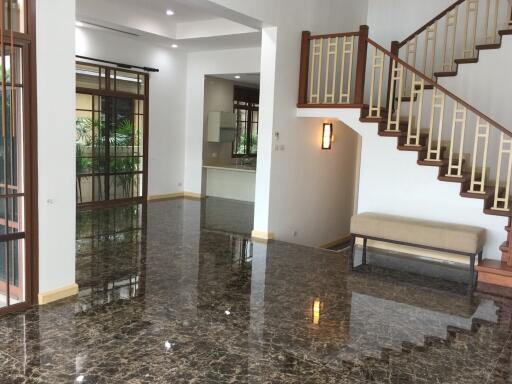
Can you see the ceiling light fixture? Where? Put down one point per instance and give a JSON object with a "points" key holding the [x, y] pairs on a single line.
{"points": [[79, 24], [238, 77], [169, 12], [175, 45]]}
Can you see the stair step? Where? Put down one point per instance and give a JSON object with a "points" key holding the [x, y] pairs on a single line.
{"points": [[433, 163], [495, 267], [496, 212], [445, 74], [474, 195], [488, 46], [505, 32], [472, 60], [392, 133], [373, 119], [453, 179], [411, 148]]}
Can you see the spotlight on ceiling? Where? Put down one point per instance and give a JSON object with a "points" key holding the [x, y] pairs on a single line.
{"points": [[79, 24], [238, 77], [169, 12], [175, 46]]}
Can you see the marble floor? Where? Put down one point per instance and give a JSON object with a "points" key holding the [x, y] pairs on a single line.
{"points": [[168, 294]]}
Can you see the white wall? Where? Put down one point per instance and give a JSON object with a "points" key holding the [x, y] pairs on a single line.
{"points": [[199, 65], [295, 179], [397, 19], [166, 100], [56, 142], [486, 85], [390, 181]]}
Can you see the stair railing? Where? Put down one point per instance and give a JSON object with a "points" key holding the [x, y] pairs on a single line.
{"points": [[453, 36], [467, 146]]}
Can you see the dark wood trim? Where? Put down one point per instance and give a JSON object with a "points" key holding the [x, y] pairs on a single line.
{"points": [[332, 35], [105, 92], [32, 241], [361, 64], [438, 17], [145, 140], [330, 105], [304, 67], [111, 203], [442, 89]]}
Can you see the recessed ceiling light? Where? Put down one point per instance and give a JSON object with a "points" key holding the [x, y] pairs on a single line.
{"points": [[169, 12], [79, 24], [175, 45], [238, 77]]}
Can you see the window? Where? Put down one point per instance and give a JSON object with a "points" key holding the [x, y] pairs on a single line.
{"points": [[246, 107], [110, 130]]}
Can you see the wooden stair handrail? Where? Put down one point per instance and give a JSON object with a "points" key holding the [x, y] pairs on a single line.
{"points": [[333, 35], [438, 17], [439, 87]]}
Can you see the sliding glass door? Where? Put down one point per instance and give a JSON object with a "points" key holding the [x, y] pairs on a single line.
{"points": [[111, 133], [18, 277]]}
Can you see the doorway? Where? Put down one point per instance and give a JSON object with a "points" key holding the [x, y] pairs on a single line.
{"points": [[111, 136]]}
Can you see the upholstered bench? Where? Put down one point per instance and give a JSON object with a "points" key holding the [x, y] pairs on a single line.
{"points": [[451, 238]]}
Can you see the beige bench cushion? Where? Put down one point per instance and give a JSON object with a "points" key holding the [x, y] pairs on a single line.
{"points": [[455, 237]]}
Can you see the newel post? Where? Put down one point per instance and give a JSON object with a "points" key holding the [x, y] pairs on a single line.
{"points": [[361, 64], [395, 50], [304, 68]]}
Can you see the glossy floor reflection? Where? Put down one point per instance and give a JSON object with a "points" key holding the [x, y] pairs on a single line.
{"points": [[164, 300]]}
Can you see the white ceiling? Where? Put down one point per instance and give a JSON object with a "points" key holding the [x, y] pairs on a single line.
{"points": [[182, 12], [192, 27], [245, 78]]}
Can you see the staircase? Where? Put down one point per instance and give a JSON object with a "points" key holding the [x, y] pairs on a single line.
{"points": [[398, 90]]}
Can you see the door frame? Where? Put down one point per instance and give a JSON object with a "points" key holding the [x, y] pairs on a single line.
{"points": [[27, 41], [145, 134]]}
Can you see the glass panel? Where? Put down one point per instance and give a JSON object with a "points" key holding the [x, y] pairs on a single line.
{"points": [[14, 15], [12, 65], [12, 272], [127, 82], [89, 76], [11, 215]]}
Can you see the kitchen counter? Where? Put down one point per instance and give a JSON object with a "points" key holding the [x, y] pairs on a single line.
{"points": [[235, 182], [232, 167]]}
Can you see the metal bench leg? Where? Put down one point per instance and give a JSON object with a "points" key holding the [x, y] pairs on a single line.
{"points": [[471, 284], [352, 251], [480, 256], [365, 242]]}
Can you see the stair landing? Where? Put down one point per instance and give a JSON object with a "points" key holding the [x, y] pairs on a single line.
{"points": [[495, 277]]}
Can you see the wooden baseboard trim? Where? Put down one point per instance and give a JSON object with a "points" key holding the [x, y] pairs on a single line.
{"points": [[335, 243], [57, 294], [174, 196], [263, 237]]}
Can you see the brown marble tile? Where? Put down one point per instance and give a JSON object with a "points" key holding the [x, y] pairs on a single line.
{"points": [[168, 295]]}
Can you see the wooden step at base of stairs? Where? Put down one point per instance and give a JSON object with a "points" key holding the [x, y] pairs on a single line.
{"points": [[504, 247], [494, 277]]}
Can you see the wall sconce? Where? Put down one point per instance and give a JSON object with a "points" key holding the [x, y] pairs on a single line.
{"points": [[317, 307], [327, 136]]}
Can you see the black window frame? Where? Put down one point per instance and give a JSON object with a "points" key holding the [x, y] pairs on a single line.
{"points": [[245, 99]]}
